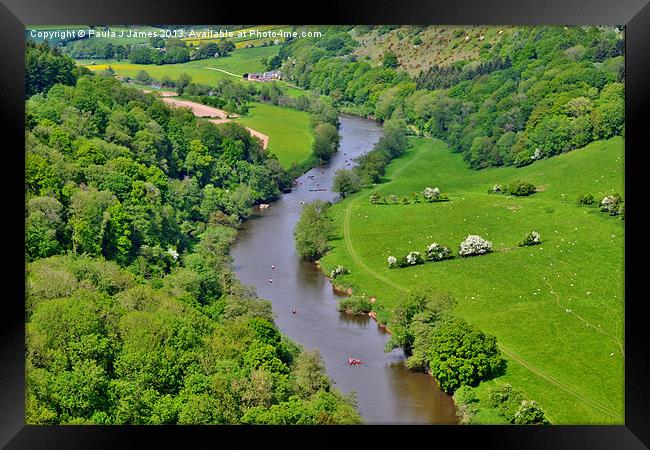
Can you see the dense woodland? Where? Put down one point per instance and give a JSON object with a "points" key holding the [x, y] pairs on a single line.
{"points": [[538, 92], [134, 315]]}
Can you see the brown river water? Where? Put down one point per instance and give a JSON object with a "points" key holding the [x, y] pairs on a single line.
{"points": [[386, 391]]}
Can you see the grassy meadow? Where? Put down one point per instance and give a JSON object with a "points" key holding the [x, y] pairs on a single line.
{"points": [[202, 71], [290, 133], [557, 309]]}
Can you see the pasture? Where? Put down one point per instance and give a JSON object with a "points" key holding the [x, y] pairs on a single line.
{"points": [[557, 309], [290, 132], [202, 71]]}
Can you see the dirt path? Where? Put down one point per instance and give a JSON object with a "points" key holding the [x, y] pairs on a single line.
{"points": [[547, 377], [198, 109], [559, 384], [224, 71]]}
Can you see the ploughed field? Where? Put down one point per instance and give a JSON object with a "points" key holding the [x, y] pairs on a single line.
{"points": [[557, 309]]}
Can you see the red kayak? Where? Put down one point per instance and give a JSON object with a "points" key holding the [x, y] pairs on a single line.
{"points": [[354, 362]]}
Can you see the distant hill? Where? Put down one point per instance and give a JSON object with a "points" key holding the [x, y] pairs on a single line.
{"points": [[418, 48]]}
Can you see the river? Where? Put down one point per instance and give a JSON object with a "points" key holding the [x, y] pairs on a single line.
{"points": [[387, 392]]}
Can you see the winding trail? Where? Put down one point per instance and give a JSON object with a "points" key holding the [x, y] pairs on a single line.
{"points": [[224, 71], [515, 357]]}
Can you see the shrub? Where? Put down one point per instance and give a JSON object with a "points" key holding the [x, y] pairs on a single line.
{"points": [[405, 200], [494, 189], [414, 197], [466, 404], [375, 197], [143, 76], [340, 270], [531, 238], [586, 199], [355, 305], [465, 395], [521, 188], [611, 204], [530, 413], [431, 194], [413, 258], [346, 182], [392, 262], [474, 245], [393, 198], [506, 400], [438, 252]]}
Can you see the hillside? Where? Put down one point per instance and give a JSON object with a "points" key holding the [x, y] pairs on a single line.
{"points": [[539, 91], [418, 48], [555, 308]]}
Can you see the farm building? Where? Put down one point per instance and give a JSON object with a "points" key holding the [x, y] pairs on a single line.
{"points": [[265, 76]]}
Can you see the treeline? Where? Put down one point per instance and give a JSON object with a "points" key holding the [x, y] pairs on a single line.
{"points": [[538, 92], [134, 315], [157, 51]]}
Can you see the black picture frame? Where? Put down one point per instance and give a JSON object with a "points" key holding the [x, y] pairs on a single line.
{"points": [[16, 14]]}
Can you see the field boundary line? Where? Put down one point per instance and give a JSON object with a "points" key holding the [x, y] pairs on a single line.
{"points": [[560, 384]]}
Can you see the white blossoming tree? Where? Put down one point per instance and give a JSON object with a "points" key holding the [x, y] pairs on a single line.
{"points": [[340, 270], [413, 258], [474, 245], [611, 204], [532, 238], [438, 252], [392, 262], [494, 189], [431, 193]]}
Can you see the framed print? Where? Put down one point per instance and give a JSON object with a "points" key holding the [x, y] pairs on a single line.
{"points": [[409, 217]]}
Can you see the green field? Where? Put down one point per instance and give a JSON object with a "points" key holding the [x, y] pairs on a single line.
{"points": [[237, 63], [557, 309], [290, 133]]}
